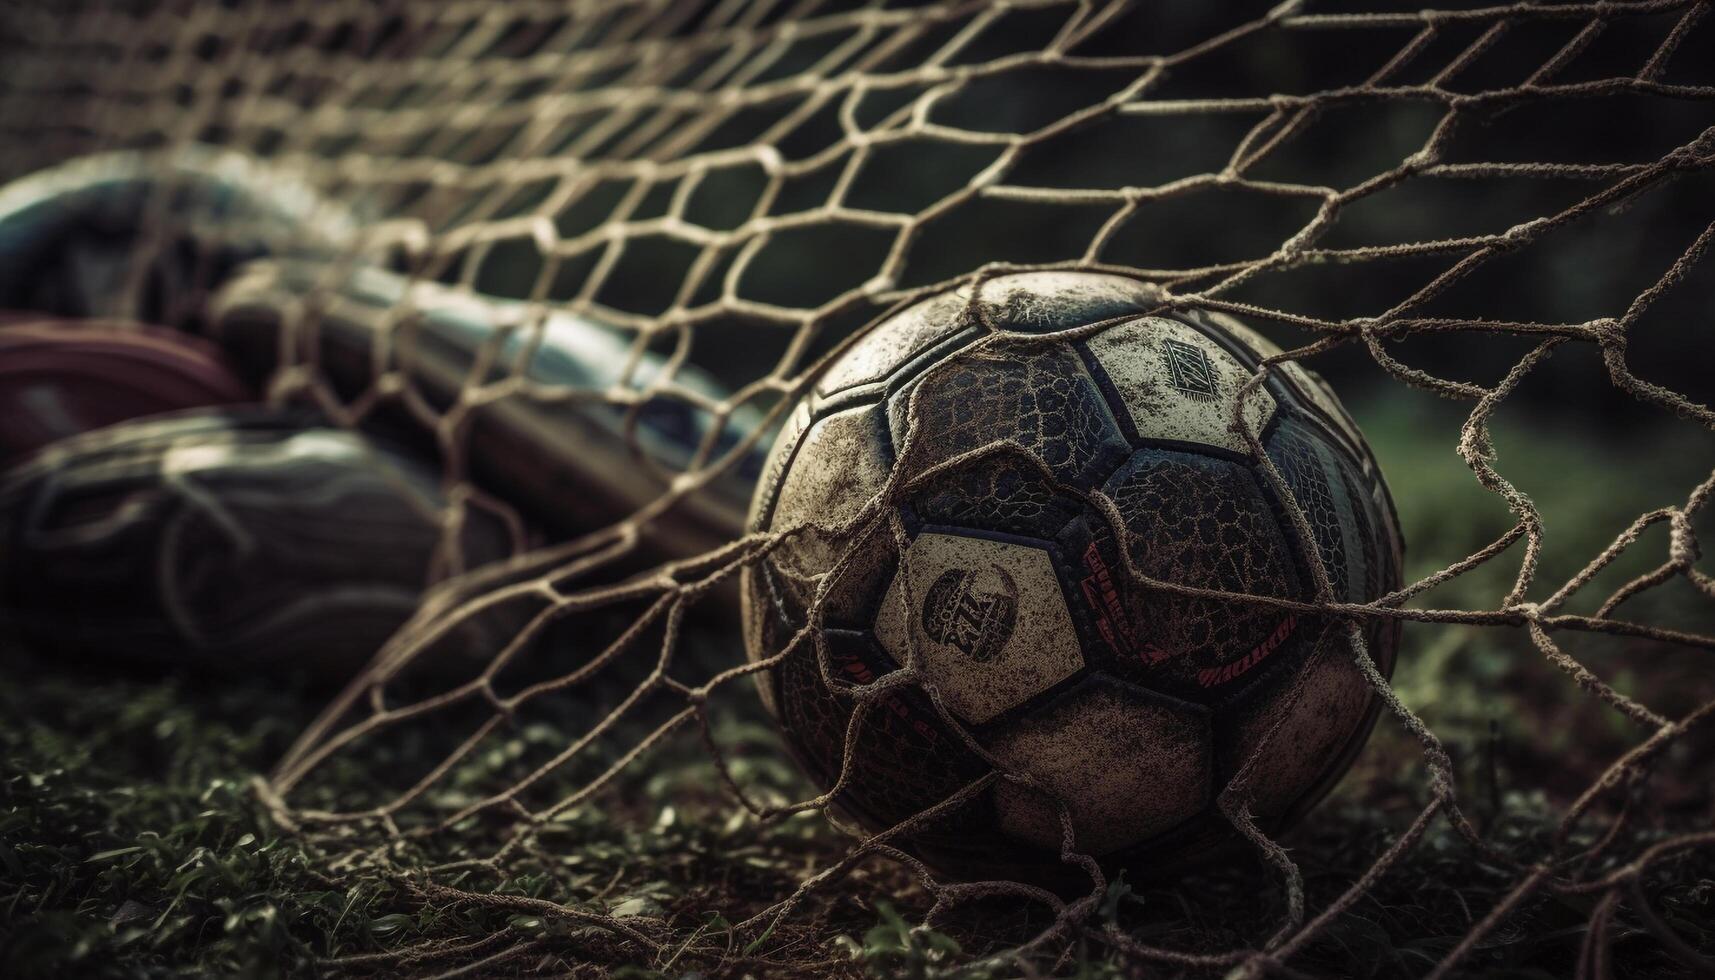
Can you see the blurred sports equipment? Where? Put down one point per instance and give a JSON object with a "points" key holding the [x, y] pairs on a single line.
{"points": [[146, 236], [243, 244], [580, 429], [230, 541], [62, 377], [995, 512]]}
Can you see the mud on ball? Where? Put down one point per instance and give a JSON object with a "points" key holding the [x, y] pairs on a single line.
{"points": [[1061, 451]]}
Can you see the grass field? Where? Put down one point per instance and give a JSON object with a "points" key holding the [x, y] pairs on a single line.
{"points": [[132, 844]]}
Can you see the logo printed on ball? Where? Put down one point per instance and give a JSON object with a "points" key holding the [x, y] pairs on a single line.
{"points": [[958, 612], [1190, 368]]}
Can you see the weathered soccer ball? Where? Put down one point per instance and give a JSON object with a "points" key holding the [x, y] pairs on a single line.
{"points": [[1041, 472]]}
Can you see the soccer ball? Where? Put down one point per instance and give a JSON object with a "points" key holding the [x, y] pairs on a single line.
{"points": [[999, 493]]}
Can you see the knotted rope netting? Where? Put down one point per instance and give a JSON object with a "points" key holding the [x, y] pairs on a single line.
{"points": [[741, 187]]}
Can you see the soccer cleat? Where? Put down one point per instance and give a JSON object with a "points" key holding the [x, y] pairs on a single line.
{"points": [[59, 378], [234, 539]]}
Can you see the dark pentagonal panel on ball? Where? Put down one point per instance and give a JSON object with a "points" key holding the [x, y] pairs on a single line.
{"points": [[904, 758], [1368, 535], [1197, 521], [1008, 492], [1372, 539], [1347, 509], [1309, 473], [1036, 397]]}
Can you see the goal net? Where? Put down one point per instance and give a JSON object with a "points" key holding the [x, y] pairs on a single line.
{"points": [[1410, 200]]}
